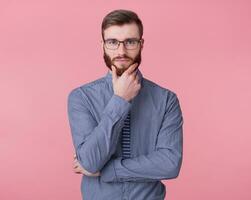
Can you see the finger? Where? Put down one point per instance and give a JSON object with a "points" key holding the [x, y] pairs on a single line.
{"points": [[131, 68], [114, 74], [75, 166], [94, 175], [137, 78], [97, 174], [77, 171], [74, 156], [76, 163], [134, 74]]}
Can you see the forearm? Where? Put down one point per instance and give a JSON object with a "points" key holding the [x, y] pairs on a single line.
{"points": [[158, 165], [95, 142], [100, 145], [162, 163]]}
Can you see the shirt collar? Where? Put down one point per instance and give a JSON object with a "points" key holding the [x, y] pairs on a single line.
{"points": [[108, 76]]}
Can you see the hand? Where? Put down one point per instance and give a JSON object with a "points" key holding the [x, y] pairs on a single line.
{"points": [[78, 169], [127, 85]]}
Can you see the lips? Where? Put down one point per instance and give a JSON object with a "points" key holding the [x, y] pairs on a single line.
{"points": [[122, 60]]}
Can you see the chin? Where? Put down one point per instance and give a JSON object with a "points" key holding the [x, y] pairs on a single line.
{"points": [[122, 65]]}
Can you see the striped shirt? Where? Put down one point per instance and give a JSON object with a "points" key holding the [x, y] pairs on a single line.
{"points": [[97, 117], [125, 142]]}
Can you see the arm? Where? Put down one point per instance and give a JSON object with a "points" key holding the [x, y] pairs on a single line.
{"points": [[78, 169], [94, 142], [163, 163]]}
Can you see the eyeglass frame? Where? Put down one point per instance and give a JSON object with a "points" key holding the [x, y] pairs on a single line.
{"points": [[119, 41]]}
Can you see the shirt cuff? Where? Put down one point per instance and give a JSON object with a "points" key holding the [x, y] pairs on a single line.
{"points": [[117, 107]]}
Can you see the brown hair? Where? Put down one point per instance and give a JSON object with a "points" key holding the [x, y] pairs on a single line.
{"points": [[121, 17]]}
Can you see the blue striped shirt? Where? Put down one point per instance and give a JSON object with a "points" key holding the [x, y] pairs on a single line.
{"points": [[97, 117]]}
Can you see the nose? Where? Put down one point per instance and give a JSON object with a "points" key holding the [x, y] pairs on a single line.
{"points": [[121, 49]]}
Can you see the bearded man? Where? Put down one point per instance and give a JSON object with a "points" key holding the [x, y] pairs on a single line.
{"points": [[127, 130]]}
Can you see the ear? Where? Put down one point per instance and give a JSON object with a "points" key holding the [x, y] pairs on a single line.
{"points": [[142, 43], [102, 43]]}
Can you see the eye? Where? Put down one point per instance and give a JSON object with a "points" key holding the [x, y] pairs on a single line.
{"points": [[112, 41], [131, 41]]}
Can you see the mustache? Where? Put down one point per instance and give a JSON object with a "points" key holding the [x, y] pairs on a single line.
{"points": [[121, 57], [109, 61]]}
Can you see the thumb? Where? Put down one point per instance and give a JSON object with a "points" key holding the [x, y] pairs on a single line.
{"points": [[114, 74]]}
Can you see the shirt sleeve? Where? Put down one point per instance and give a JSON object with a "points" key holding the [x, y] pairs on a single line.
{"points": [[95, 142], [163, 163]]}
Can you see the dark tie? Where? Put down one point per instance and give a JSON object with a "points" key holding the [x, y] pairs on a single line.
{"points": [[125, 141]]}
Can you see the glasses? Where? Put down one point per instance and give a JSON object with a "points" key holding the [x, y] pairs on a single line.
{"points": [[129, 44]]}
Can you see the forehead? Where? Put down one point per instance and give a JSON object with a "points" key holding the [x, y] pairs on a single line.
{"points": [[122, 32]]}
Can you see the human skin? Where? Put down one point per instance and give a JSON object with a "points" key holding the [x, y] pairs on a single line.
{"points": [[115, 57]]}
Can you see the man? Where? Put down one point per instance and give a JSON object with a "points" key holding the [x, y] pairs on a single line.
{"points": [[127, 130]]}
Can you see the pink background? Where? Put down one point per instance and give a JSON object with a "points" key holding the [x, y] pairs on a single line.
{"points": [[199, 49]]}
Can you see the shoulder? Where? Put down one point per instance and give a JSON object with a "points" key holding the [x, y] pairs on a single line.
{"points": [[164, 96], [158, 89], [89, 87]]}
